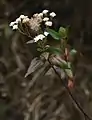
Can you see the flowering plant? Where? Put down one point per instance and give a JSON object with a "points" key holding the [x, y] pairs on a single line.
{"points": [[60, 58], [38, 29]]}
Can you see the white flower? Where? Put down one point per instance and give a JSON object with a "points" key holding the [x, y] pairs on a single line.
{"points": [[52, 14], [25, 20], [48, 23], [45, 19], [40, 14], [23, 16], [46, 33], [36, 39], [35, 15], [12, 24], [39, 37], [45, 11], [15, 27], [18, 20]]}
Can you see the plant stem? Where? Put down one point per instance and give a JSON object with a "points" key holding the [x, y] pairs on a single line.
{"points": [[70, 94]]}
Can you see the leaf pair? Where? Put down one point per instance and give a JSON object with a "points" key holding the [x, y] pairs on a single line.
{"points": [[61, 34]]}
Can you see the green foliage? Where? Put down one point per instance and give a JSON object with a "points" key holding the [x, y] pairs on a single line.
{"points": [[69, 70], [69, 73], [54, 50], [54, 34], [73, 52], [63, 65], [63, 32]]}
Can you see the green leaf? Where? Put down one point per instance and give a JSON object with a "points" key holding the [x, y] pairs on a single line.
{"points": [[73, 52], [69, 65], [64, 65], [69, 70], [54, 50], [54, 34], [69, 73], [63, 32]]}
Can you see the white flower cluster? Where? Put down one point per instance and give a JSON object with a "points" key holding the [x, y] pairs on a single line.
{"points": [[40, 36], [52, 14], [45, 16], [46, 19], [22, 18]]}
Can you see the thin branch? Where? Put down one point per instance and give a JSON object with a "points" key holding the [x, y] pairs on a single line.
{"points": [[70, 94]]}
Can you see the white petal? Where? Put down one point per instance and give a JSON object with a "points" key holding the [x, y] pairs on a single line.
{"points": [[18, 20], [25, 20], [23, 16], [52, 14], [12, 23], [15, 27], [46, 33], [45, 19], [48, 23], [45, 11], [36, 39], [39, 37], [35, 15], [40, 14]]}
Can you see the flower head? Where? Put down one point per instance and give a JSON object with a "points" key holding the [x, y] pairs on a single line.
{"points": [[23, 16], [15, 27], [39, 37], [35, 15], [45, 19], [46, 33], [48, 23], [18, 20], [25, 20], [40, 14], [12, 24], [52, 14], [45, 11]]}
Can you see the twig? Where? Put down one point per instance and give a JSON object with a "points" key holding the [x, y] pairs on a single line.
{"points": [[70, 94]]}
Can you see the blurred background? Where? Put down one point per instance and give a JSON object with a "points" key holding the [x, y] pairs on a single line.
{"points": [[53, 103]]}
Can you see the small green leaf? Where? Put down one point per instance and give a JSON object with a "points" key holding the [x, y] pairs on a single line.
{"points": [[69, 73], [69, 65], [39, 49], [54, 34], [54, 50], [64, 65], [69, 70], [73, 52], [63, 32]]}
